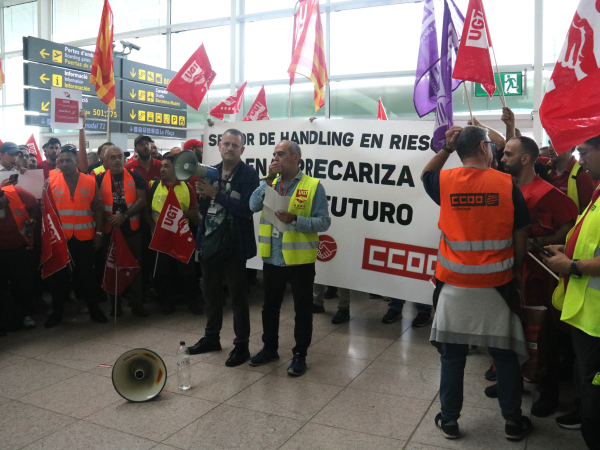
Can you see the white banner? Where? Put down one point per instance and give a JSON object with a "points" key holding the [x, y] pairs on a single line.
{"points": [[384, 236]]}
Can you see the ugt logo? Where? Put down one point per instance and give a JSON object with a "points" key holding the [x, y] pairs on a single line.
{"points": [[194, 74], [477, 33]]}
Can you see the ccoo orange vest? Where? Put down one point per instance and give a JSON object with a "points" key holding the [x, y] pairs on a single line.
{"points": [[130, 197], [17, 208], [476, 220], [75, 213]]}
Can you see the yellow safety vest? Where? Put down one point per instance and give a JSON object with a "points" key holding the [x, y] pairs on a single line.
{"points": [[158, 199], [297, 248], [572, 186], [98, 170], [580, 305]]}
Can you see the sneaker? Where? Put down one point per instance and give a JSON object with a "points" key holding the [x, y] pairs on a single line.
{"points": [[491, 391], [197, 309], [96, 315], [571, 421], [341, 316], [316, 309], [391, 316], [516, 430], [298, 366], [545, 406], [53, 320], [28, 322], [82, 306], [263, 357], [490, 375], [421, 320], [204, 345], [239, 355], [449, 428], [330, 293]]}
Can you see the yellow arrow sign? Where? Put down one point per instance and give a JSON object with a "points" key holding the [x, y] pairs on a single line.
{"points": [[44, 78], [132, 93], [45, 106], [44, 53], [132, 115], [132, 72]]}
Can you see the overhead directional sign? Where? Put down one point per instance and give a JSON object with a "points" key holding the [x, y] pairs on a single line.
{"points": [[153, 131], [42, 76], [154, 95], [53, 53], [38, 100], [146, 114], [90, 125], [144, 73]]}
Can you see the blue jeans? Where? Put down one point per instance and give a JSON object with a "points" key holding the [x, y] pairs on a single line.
{"points": [[396, 304], [508, 372]]}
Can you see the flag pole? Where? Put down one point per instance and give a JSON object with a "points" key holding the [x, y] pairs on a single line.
{"points": [[116, 298], [468, 101], [155, 264], [543, 265], [108, 124], [499, 80], [290, 102]]}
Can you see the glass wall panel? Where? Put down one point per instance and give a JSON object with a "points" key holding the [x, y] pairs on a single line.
{"points": [[272, 63], [19, 21], [256, 6], [193, 10], [216, 43], [13, 74], [558, 15], [80, 19], [153, 50]]}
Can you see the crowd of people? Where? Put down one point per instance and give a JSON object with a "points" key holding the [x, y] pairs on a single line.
{"points": [[504, 213]]}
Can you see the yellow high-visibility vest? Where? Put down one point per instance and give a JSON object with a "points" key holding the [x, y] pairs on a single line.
{"points": [[572, 186], [160, 194], [297, 248]]}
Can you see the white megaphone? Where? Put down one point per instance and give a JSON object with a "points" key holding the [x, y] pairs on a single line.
{"points": [[139, 375], [186, 166]]}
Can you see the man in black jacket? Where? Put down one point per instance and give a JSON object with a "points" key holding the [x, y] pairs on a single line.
{"points": [[225, 210]]}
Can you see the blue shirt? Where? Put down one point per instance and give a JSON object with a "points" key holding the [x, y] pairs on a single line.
{"points": [[319, 220]]}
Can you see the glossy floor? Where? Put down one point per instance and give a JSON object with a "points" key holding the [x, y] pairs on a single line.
{"points": [[368, 386]]}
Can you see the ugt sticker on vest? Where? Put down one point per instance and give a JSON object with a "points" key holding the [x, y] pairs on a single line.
{"points": [[64, 109]]}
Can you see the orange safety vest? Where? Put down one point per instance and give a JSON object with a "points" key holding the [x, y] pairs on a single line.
{"points": [[476, 220], [130, 197], [75, 213], [17, 208]]}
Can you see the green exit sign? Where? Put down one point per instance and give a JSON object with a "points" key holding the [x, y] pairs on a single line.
{"points": [[512, 82]]}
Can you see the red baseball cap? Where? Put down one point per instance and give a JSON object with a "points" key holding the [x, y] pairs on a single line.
{"points": [[192, 143]]}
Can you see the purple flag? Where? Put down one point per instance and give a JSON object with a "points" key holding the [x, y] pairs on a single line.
{"points": [[444, 111], [427, 81]]}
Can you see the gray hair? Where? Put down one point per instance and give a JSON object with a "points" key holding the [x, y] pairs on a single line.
{"points": [[468, 141], [112, 147], [238, 133], [294, 148]]}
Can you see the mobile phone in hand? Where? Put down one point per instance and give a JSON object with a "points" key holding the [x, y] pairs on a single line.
{"points": [[13, 177], [541, 249]]}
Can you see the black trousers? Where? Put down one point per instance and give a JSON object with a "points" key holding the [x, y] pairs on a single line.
{"points": [[17, 267], [135, 288], [171, 273], [301, 278], [587, 366], [80, 275], [233, 271]]}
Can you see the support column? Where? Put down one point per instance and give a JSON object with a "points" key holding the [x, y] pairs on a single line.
{"points": [[44, 15], [538, 70]]}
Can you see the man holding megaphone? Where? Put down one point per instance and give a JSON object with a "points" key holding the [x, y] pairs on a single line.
{"points": [[225, 241]]}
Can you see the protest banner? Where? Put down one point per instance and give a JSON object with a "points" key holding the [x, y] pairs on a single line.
{"points": [[64, 109], [384, 235]]}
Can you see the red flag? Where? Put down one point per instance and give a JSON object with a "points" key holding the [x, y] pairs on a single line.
{"points": [[569, 110], [231, 105], [381, 115], [102, 73], [193, 80], [172, 234], [1, 75], [473, 62], [121, 266], [55, 254], [33, 148], [308, 49], [258, 110]]}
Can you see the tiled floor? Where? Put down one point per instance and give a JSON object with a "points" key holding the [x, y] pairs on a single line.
{"points": [[368, 386]]}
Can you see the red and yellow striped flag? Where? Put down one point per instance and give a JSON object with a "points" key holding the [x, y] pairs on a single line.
{"points": [[1, 75], [103, 73], [308, 56]]}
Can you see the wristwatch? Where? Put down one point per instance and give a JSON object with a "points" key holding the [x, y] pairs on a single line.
{"points": [[449, 150], [574, 272], [295, 221]]}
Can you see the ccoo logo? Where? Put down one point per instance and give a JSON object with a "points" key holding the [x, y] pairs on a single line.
{"points": [[327, 248]]}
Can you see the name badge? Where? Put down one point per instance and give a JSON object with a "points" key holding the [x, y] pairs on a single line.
{"points": [[212, 208], [275, 233]]}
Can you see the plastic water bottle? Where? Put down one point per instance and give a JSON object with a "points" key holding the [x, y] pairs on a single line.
{"points": [[183, 367]]}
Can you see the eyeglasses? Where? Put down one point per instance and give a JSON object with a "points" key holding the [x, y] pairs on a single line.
{"points": [[492, 144]]}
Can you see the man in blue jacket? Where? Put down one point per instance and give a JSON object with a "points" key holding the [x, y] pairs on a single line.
{"points": [[225, 242]]}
